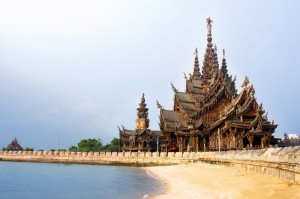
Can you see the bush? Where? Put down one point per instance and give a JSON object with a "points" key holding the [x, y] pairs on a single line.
{"points": [[28, 149]]}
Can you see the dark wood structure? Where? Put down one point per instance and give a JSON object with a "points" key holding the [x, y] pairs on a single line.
{"points": [[14, 145], [210, 114], [142, 138]]}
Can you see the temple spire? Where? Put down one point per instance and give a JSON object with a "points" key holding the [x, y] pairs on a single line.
{"points": [[142, 121], [208, 61], [209, 38], [196, 73], [215, 66], [224, 65], [142, 110]]}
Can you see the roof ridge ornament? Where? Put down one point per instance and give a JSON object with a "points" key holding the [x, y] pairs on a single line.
{"points": [[191, 76], [185, 77], [158, 105], [173, 87], [252, 90], [245, 82], [123, 127]]}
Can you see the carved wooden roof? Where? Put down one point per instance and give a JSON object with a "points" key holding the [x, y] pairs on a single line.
{"points": [[213, 94]]}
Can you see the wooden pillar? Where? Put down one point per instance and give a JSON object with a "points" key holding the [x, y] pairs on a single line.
{"points": [[263, 141], [197, 143], [180, 143], [250, 139], [204, 144]]}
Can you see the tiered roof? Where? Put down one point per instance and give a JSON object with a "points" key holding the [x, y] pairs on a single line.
{"points": [[211, 98]]}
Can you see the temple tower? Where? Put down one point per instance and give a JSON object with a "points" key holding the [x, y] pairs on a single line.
{"points": [[142, 122]]}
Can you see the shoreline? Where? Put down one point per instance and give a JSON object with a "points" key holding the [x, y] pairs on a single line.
{"points": [[203, 180]]}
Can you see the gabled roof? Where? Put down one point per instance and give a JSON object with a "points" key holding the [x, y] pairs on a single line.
{"points": [[173, 118]]}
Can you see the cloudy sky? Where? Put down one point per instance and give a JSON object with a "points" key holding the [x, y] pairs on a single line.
{"points": [[73, 69]]}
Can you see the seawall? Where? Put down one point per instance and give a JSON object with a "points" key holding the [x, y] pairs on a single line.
{"points": [[283, 163]]}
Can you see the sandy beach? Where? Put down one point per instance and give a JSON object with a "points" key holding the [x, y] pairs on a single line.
{"points": [[200, 180]]}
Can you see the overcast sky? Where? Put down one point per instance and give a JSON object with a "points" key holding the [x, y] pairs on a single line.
{"points": [[73, 69]]}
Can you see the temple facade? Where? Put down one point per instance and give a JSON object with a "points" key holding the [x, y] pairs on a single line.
{"points": [[141, 139], [209, 115]]}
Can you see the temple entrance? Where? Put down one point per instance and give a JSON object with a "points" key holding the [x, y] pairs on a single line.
{"points": [[256, 142], [246, 143]]}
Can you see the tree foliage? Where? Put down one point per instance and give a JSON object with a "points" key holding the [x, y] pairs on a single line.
{"points": [[73, 148], [113, 146], [28, 149], [86, 145], [90, 145]]}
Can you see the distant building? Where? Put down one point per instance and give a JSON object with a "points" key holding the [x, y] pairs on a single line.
{"points": [[14, 145], [209, 115], [293, 136]]}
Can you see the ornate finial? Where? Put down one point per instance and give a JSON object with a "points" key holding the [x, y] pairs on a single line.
{"points": [[190, 76], [252, 90], [158, 105], [246, 82], [196, 73], [209, 21], [260, 110], [265, 116], [224, 65], [185, 77], [143, 97], [196, 52], [173, 87], [123, 127]]}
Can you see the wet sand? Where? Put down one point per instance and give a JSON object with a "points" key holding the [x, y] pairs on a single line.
{"points": [[200, 180]]}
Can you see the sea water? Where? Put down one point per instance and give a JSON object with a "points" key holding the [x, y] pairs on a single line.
{"points": [[55, 181]]}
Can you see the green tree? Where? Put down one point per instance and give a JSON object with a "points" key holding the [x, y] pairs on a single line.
{"points": [[73, 148], [90, 145], [28, 149], [64, 150], [114, 144], [106, 148]]}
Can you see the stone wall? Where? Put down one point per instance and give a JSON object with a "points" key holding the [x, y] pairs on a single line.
{"points": [[283, 163]]}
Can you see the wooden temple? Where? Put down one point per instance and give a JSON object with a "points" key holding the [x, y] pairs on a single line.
{"points": [[210, 114], [142, 138]]}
